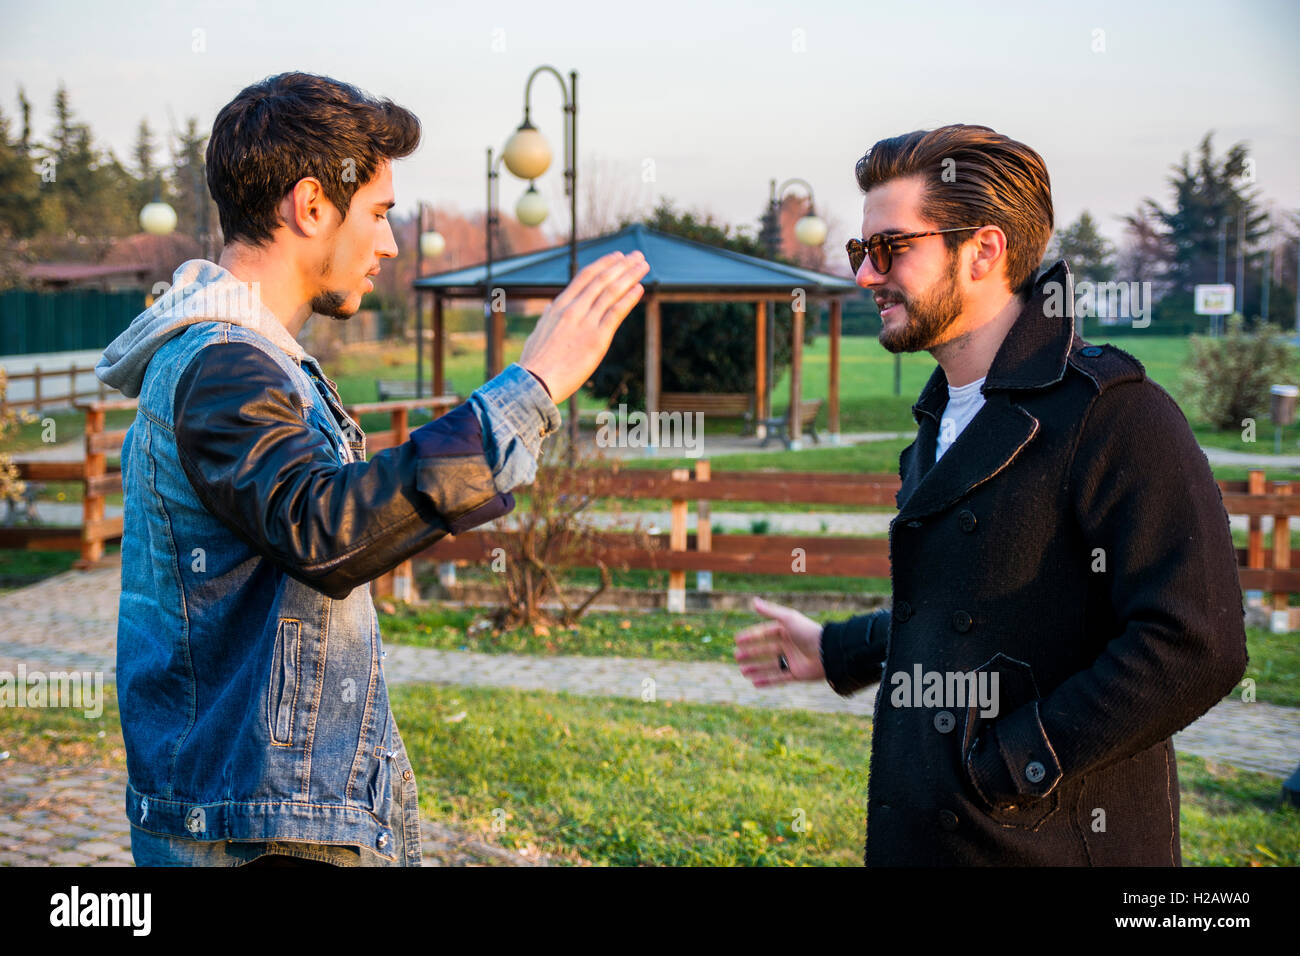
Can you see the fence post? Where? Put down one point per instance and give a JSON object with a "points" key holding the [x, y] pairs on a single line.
{"points": [[36, 388], [1255, 541], [1281, 621], [92, 505], [398, 583], [677, 542], [703, 529], [72, 385]]}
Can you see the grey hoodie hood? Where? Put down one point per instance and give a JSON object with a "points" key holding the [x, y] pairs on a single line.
{"points": [[201, 291]]}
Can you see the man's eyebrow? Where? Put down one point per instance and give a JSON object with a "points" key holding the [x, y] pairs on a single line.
{"points": [[386, 205]]}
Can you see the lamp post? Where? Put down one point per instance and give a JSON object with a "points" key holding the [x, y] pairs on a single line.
{"points": [[157, 217], [531, 210], [810, 230], [527, 155], [427, 243]]}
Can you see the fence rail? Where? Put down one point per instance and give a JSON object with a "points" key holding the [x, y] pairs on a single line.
{"points": [[60, 376], [1274, 569]]}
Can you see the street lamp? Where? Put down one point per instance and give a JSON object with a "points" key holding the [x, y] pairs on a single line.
{"points": [[157, 218], [531, 210], [528, 155], [810, 230]]}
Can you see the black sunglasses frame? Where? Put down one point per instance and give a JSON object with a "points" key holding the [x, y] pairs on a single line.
{"points": [[880, 247]]}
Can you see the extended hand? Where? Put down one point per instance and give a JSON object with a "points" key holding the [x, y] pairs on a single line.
{"points": [[759, 648], [574, 332]]}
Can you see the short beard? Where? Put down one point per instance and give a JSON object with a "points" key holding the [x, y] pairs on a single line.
{"points": [[928, 316], [331, 304]]}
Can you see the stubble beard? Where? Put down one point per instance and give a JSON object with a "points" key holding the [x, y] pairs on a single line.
{"points": [[331, 304], [928, 316]]}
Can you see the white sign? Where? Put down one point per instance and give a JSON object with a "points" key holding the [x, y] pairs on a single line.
{"points": [[1215, 300]]}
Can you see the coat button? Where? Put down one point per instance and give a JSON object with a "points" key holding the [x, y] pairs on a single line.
{"points": [[967, 521], [914, 524], [1035, 772], [902, 610], [948, 820], [1091, 351], [961, 621], [406, 775], [944, 721]]}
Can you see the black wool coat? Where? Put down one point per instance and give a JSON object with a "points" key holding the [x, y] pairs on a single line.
{"points": [[1073, 544]]}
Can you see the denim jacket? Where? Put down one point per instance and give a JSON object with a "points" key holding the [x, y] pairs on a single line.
{"points": [[249, 663]]}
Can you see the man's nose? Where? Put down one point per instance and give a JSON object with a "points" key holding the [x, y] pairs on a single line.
{"points": [[867, 276], [388, 244]]}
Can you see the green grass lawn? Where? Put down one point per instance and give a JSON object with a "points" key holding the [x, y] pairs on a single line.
{"points": [[626, 782], [710, 636]]}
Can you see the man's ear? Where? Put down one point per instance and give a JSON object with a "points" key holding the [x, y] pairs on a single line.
{"points": [[305, 209], [990, 244]]}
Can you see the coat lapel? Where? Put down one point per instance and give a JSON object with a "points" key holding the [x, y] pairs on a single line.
{"points": [[1033, 355]]}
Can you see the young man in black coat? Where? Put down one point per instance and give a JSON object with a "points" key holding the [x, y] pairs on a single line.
{"points": [[1065, 589]]}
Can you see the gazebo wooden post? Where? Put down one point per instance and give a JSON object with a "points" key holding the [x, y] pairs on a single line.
{"points": [[760, 368], [796, 374], [834, 384], [438, 345], [653, 362]]}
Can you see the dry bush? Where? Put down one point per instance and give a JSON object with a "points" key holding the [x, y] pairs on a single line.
{"points": [[547, 538]]}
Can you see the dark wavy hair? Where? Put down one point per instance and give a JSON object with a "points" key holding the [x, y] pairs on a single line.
{"points": [[294, 125], [992, 180]]}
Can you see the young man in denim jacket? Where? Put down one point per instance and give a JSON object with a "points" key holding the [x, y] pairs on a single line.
{"points": [[250, 678]]}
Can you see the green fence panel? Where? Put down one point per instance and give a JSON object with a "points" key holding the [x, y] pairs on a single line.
{"points": [[75, 320]]}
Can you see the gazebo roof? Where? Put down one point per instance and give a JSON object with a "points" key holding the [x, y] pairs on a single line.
{"points": [[676, 265]]}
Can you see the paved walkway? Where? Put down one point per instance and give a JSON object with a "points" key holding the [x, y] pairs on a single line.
{"points": [[51, 815]]}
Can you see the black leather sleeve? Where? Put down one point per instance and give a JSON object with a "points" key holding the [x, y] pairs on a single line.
{"points": [[277, 482], [853, 651]]}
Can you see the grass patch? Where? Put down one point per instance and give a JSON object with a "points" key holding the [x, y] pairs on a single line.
{"points": [[623, 782], [18, 569], [64, 736]]}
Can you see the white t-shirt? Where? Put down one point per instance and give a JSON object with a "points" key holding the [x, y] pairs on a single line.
{"points": [[963, 402]]}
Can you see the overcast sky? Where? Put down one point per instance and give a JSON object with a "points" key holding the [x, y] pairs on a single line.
{"points": [[712, 99]]}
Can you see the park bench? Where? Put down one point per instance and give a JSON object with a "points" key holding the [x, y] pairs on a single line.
{"points": [[391, 389], [808, 410], [720, 405]]}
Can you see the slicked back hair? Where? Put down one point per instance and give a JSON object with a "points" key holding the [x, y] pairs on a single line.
{"points": [[973, 177]]}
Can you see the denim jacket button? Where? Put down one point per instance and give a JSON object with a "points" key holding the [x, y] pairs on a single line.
{"points": [[406, 775], [382, 841]]}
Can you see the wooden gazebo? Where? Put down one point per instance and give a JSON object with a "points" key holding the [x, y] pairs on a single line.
{"points": [[681, 270]]}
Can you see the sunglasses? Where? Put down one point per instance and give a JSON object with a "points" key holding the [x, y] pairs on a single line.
{"points": [[880, 247]]}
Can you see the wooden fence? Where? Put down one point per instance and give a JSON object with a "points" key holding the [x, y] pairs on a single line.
{"points": [[1275, 570], [65, 377]]}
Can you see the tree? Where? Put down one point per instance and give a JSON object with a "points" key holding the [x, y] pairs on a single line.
{"points": [[707, 347], [19, 185], [1145, 254], [1089, 254], [196, 213], [1209, 201]]}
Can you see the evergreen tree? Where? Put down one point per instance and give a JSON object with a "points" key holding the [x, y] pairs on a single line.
{"points": [[1088, 253], [1210, 200], [19, 186]]}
